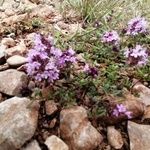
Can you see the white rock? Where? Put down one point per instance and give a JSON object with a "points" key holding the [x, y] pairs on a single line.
{"points": [[55, 143], [18, 122], [16, 60], [139, 136], [8, 42], [12, 81], [32, 146]]}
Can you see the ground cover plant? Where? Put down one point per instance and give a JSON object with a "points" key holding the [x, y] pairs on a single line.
{"points": [[95, 65]]}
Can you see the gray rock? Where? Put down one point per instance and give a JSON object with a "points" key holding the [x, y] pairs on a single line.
{"points": [[12, 81], [16, 60], [55, 143], [114, 137], [18, 122], [139, 136], [32, 146], [77, 131]]}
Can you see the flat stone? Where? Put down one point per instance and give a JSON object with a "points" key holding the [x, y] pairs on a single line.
{"points": [[139, 136], [18, 122], [77, 131], [16, 60], [32, 146], [51, 107], [114, 137], [55, 143], [12, 81]]}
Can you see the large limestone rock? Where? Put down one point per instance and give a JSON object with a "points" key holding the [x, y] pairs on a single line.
{"points": [[77, 131], [55, 143], [18, 122], [139, 136], [12, 81]]}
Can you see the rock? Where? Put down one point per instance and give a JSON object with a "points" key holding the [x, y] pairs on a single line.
{"points": [[2, 55], [146, 113], [18, 49], [77, 131], [18, 122], [14, 19], [4, 67], [52, 123], [51, 107], [143, 92], [16, 60], [139, 136], [12, 81], [43, 11], [133, 105], [55, 143], [8, 42], [32, 146], [114, 137]]}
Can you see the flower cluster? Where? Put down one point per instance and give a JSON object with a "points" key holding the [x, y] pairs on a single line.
{"points": [[121, 110], [111, 37], [137, 25], [136, 56], [91, 71], [45, 61]]}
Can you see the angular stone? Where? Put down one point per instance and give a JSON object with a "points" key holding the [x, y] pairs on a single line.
{"points": [[55, 143], [18, 122], [144, 93], [114, 137], [32, 146], [77, 131], [12, 81], [139, 136], [51, 107], [16, 60]]}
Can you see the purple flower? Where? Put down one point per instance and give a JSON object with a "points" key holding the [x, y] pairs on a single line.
{"points": [[137, 56], [111, 37], [45, 60], [137, 25], [120, 109], [91, 71]]}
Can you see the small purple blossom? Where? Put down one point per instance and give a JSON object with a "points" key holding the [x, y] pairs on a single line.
{"points": [[45, 60], [111, 37], [136, 56], [91, 71], [137, 25], [120, 109]]}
